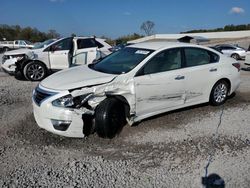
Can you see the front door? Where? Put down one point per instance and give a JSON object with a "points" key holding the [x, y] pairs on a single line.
{"points": [[59, 54], [159, 84]]}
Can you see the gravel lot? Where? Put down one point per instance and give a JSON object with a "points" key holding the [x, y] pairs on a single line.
{"points": [[170, 150]]}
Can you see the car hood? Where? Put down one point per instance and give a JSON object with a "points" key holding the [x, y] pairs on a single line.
{"points": [[21, 51], [76, 77], [16, 52]]}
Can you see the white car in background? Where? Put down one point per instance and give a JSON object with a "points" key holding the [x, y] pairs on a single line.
{"points": [[233, 51], [134, 83], [16, 44], [11, 57], [61, 54]]}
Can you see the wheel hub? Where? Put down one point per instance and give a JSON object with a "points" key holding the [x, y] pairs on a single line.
{"points": [[35, 71], [220, 93]]}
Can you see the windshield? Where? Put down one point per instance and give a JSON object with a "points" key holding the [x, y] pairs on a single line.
{"points": [[43, 44], [121, 61], [28, 42]]}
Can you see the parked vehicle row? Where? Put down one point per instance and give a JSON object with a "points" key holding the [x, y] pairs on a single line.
{"points": [[16, 44], [52, 56], [134, 83]]}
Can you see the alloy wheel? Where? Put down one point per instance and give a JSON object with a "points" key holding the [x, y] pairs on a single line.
{"points": [[35, 71], [220, 93]]}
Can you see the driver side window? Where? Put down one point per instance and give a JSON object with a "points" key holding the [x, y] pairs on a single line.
{"points": [[164, 61], [65, 44]]}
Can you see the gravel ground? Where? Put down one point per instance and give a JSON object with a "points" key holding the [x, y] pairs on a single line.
{"points": [[170, 150]]}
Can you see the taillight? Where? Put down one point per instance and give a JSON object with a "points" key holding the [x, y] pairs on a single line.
{"points": [[237, 66], [111, 49]]}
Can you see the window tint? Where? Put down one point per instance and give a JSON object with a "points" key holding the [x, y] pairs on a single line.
{"points": [[196, 56], [22, 43], [86, 43], [228, 48], [65, 44], [214, 57], [163, 61]]}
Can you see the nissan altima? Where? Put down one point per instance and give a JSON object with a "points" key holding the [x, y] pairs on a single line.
{"points": [[134, 83]]}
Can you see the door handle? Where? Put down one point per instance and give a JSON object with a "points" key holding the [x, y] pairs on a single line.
{"points": [[179, 77], [213, 70]]}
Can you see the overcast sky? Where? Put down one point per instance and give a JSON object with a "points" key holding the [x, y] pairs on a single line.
{"points": [[114, 18]]}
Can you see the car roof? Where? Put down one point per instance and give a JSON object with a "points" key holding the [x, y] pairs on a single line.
{"points": [[157, 45], [226, 45]]}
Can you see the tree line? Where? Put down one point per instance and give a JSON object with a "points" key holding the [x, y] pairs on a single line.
{"points": [[34, 35], [16, 32], [231, 27]]}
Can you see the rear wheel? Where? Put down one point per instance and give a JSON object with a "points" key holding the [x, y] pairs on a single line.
{"points": [[219, 93], [235, 56], [109, 118], [35, 71]]}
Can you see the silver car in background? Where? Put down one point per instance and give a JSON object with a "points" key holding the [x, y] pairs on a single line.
{"points": [[233, 51]]}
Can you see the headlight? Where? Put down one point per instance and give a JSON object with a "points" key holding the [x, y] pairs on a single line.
{"points": [[65, 101], [4, 58], [33, 55]]}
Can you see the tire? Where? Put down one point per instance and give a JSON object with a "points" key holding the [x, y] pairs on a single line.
{"points": [[235, 56], [109, 118], [219, 93], [35, 71]]}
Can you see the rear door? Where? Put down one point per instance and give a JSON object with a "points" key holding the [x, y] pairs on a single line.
{"points": [[159, 84], [85, 51], [201, 72], [227, 50], [59, 54]]}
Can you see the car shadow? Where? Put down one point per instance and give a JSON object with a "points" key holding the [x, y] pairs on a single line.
{"points": [[19, 76]]}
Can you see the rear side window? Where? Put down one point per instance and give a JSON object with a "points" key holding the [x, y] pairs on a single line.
{"points": [[228, 48], [86, 43], [99, 45], [197, 56], [214, 57]]}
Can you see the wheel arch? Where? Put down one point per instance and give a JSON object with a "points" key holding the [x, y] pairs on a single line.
{"points": [[237, 55], [222, 79], [22, 64], [124, 101]]}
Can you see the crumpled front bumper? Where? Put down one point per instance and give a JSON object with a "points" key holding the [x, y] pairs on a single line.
{"points": [[46, 112], [9, 65]]}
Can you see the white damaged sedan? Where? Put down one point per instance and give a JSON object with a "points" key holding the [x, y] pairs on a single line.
{"points": [[137, 82]]}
